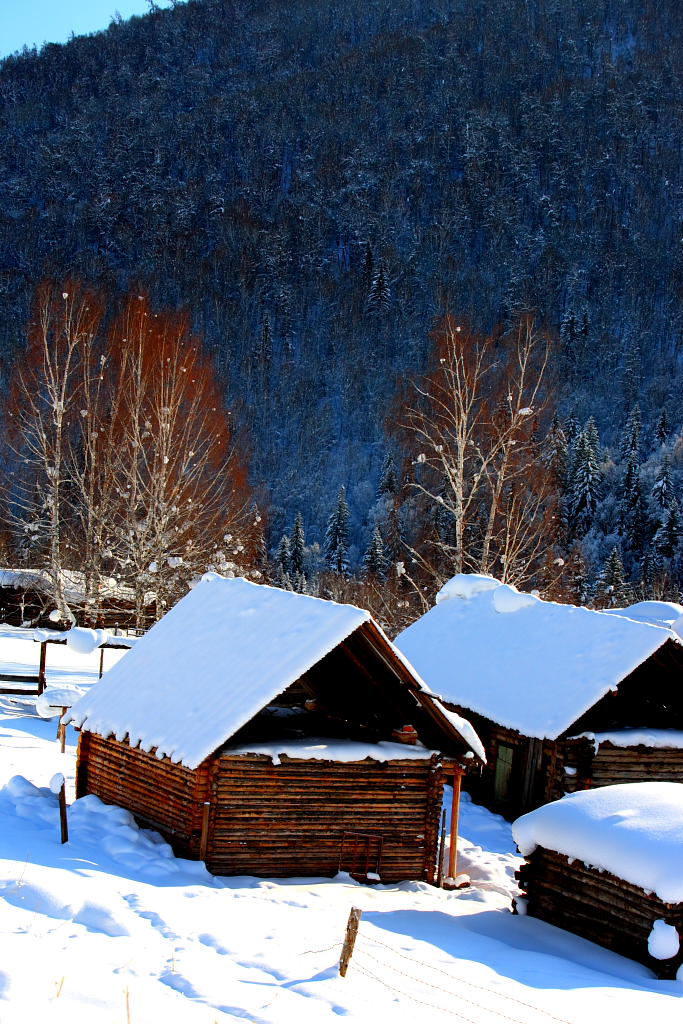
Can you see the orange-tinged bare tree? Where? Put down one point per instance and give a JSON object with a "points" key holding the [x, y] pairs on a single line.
{"points": [[474, 429], [128, 464]]}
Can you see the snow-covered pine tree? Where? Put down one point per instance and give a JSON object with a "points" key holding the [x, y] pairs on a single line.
{"points": [[650, 570], [630, 447], [283, 563], [556, 453], [585, 486], [663, 490], [611, 589], [662, 429], [631, 513], [375, 560], [336, 544], [297, 547], [667, 537], [388, 481], [379, 295]]}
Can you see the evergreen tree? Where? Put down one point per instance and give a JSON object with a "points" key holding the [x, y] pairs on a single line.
{"points": [[572, 428], [283, 563], [394, 538], [557, 452], [632, 514], [668, 535], [630, 442], [611, 588], [336, 544], [650, 569], [662, 429], [663, 491], [375, 561], [388, 481], [297, 547], [379, 295], [585, 486]]}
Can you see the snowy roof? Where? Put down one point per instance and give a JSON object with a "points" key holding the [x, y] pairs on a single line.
{"points": [[657, 613], [531, 665], [634, 831], [660, 739], [216, 659]]}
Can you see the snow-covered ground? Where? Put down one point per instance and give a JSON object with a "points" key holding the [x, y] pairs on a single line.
{"points": [[111, 928]]}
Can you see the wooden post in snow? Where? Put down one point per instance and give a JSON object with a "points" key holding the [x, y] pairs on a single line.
{"points": [[58, 785], [349, 940], [61, 731], [455, 809], [41, 668], [101, 661]]}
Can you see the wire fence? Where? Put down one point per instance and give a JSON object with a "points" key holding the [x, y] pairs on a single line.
{"points": [[444, 996]]}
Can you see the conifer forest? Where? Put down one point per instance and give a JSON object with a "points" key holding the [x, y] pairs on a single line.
{"points": [[423, 261]]}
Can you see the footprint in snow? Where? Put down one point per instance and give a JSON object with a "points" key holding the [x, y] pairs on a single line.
{"points": [[150, 915], [212, 942]]}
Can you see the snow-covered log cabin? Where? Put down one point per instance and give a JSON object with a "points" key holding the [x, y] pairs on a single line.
{"points": [[606, 864], [265, 732], [563, 698]]}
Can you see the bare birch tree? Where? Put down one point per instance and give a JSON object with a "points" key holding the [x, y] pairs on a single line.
{"points": [[44, 395], [474, 427]]}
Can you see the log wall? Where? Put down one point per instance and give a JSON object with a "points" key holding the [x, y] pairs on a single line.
{"points": [[160, 794], [277, 820], [597, 906], [613, 765], [290, 819]]}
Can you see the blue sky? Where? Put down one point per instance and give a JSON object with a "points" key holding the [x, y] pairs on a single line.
{"points": [[52, 21]]}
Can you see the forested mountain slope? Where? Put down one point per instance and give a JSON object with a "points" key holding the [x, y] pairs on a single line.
{"points": [[317, 183]]}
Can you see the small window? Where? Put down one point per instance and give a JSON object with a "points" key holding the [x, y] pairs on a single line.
{"points": [[503, 771]]}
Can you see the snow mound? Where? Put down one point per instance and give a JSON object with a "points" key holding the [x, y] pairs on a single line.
{"points": [[508, 600], [657, 613], [634, 831], [663, 941], [84, 641], [466, 586], [51, 701]]}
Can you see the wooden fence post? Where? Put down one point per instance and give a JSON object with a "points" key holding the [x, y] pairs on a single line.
{"points": [[41, 668], [349, 940], [61, 731], [62, 814]]}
